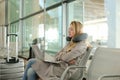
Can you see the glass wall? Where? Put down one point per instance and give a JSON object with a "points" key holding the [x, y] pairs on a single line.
{"points": [[50, 2], [2, 23], [42, 21], [35, 24], [32, 29], [2, 13], [75, 10], [53, 29], [97, 36], [32, 32], [13, 10], [92, 15], [32, 6]]}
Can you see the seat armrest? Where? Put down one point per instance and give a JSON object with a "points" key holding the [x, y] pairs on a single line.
{"points": [[66, 70], [108, 76]]}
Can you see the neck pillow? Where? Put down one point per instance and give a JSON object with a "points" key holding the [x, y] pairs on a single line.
{"points": [[78, 38]]}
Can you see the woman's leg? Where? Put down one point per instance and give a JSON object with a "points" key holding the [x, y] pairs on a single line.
{"points": [[31, 74], [30, 62]]}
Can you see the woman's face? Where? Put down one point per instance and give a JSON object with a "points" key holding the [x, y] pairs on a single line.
{"points": [[71, 31]]}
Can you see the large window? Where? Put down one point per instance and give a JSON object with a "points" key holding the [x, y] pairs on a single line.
{"points": [[33, 28], [92, 15], [44, 20], [13, 10], [50, 2], [2, 13], [32, 6], [2, 22], [53, 29], [75, 10], [97, 36]]}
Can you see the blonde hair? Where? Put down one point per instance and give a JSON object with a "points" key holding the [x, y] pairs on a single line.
{"points": [[78, 27]]}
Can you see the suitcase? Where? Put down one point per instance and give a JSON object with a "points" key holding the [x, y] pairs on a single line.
{"points": [[11, 71], [11, 68]]}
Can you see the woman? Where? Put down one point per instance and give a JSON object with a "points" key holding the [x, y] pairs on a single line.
{"points": [[69, 55]]}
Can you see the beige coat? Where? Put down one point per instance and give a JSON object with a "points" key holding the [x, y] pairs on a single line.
{"points": [[52, 71]]}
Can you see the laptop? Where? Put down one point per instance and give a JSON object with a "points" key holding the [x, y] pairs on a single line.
{"points": [[50, 58], [46, 57]]}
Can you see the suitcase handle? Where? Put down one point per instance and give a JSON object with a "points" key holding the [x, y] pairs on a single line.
{"points": [[12, 59], [14, 34]]}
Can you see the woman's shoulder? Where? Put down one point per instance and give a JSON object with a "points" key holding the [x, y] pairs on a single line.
{"points": [[81, 44]]}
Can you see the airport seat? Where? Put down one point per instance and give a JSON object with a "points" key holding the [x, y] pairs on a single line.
{"points": [[109, 76], [105, 65], [80, 69]]}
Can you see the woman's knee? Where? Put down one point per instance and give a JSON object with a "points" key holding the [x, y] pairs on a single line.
{"points": [[31, 73], [31, 61]]}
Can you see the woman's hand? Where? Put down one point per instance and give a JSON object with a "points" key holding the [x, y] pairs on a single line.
{"points": [[72, 61]]}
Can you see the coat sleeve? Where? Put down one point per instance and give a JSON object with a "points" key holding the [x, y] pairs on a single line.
{"points": [[79, 49]]}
